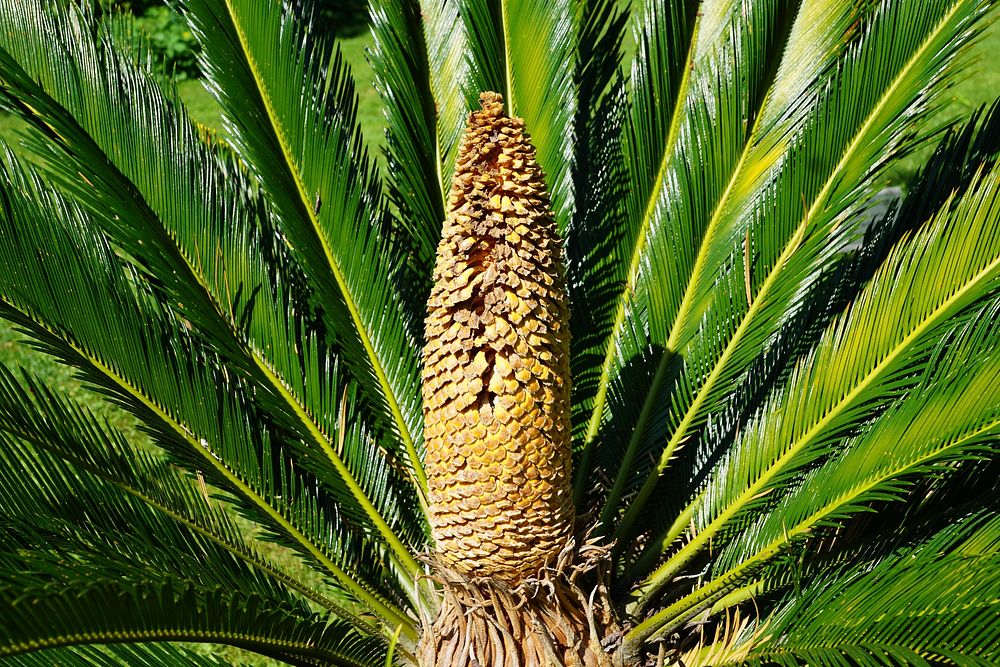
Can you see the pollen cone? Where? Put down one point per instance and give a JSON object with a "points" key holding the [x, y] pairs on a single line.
{"points": [[496, 363]]}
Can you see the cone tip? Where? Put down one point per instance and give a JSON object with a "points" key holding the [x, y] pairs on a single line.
{"points": [[492, 103]]}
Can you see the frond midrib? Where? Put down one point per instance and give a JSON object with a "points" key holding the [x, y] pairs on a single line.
{"points": [[257, 642]]}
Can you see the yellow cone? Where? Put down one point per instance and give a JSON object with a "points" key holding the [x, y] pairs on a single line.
{"points": [[496, 362]]}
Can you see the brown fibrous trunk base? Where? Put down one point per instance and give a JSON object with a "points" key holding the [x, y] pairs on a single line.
{"points": [[548, 621]]}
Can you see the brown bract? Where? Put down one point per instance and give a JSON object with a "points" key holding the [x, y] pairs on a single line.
{"points": [[496, 363]]}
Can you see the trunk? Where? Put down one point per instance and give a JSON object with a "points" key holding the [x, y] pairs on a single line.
{"points": [[552, 621]]}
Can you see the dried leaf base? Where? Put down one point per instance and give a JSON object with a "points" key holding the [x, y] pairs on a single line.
{"points": [[552, 620]]}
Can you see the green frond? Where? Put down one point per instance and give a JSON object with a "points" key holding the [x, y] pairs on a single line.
{"points": [[114, 655], [290, 107], [38, 614], [191, 215], [42, 508], [924, 605], [948, 174], [599, 193], [947, 416], [540, 40], [486, 51], [638, 122], [450, 79], [771, 249], [128, 346], [941, 284], [83, 97], [952, 419], [521, 49], [75, 582], [32, 413], [140, 564], [415, 171], [700, 73]]}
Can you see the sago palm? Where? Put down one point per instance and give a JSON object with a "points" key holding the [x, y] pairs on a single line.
{"points": [[666, 389]]}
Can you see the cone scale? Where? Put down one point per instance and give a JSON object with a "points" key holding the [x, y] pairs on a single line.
{"points": [[496, 363]]}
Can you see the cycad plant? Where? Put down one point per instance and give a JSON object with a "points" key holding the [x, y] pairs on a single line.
{"points": [[667, 388]]}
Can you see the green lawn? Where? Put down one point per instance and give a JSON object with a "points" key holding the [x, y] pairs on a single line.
{"points": [[983, 83], [981, 86]]}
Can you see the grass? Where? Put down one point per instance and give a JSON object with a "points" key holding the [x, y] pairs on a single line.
{"points": [[980, 86]]}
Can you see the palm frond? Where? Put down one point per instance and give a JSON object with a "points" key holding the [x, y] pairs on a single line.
{"points": [[290, 107], [87, 576], [666, 44], [128, 540], [126, 344], [913, 437], [450, 78], [115, 655], [46, 505], [414, 156], [912, 442], [32, 413], [520, 49], [941, 289], [923, 605], [948, 174], [486, 51], [540, 39], [39, 614], [600, 191], [678, 161], [772, 252], [190, 215]]}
